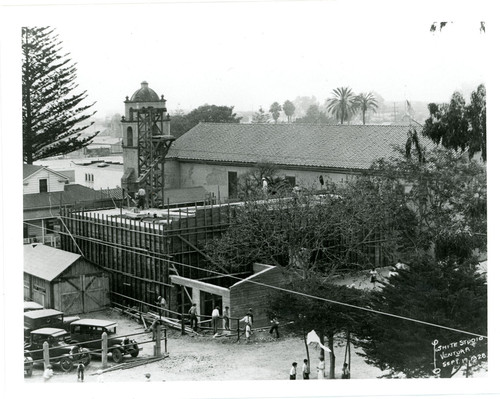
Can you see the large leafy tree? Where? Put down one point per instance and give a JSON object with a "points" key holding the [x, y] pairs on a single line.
{"points": [[315, 235], [447, 197], [314, 115], [366, 102], [445, 293], [458, 125], [53, 114], [275, 110], [288, 109], [342, 105], [181, 123]]}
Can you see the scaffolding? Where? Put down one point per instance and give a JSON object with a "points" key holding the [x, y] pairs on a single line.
{"points": [[153, 145]]}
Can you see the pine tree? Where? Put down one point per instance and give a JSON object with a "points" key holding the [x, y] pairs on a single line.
{"points": [[260, 116], [447, 293], [53, 115]]}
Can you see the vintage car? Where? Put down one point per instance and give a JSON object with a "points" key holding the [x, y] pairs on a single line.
{"points": [[84, 330], [29, 306], [60, 353], [36, 319], [28, 364]]}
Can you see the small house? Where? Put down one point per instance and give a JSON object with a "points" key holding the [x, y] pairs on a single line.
{"points": [[63, 280]]}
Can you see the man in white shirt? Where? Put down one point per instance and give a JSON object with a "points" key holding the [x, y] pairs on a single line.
{"points": [[215, 318]]}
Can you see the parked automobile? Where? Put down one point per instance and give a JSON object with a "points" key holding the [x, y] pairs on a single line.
{"points": [[36, 319], [29, 306], [28, 364], [60, 352], [84, 330]]}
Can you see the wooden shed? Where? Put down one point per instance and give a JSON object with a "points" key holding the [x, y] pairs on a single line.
{"points": [[252, 292], [63, 280]]}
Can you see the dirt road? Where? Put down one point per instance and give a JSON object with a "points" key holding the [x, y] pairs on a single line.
{"points": [[204, 358]]}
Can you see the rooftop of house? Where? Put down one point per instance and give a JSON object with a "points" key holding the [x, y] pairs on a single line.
{"points": [[29, 170], [73, 193], [295, 144], [46, 262]]}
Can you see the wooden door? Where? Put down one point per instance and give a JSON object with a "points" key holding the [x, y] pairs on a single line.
{"points": [[71, 301], [95, 292]]}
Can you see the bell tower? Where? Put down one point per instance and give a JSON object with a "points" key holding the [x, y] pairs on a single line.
{"points": [[146, 141]]}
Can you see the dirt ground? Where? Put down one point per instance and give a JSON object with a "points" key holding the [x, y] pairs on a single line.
{"points": [[204, 358]]}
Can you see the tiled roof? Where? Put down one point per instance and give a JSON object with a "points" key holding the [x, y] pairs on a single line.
{"points": [[28, 170], [46, 262], [295, 144]]}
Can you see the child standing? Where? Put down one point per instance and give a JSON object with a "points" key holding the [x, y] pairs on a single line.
{"points": [[79, 370], [293, 371], [248, 326], [305, 370]]}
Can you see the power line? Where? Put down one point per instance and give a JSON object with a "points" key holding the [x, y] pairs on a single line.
{"points": [[271, 286]]}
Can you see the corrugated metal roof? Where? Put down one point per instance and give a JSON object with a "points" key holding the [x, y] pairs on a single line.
{"points": [[294, 144], [46, 262]]}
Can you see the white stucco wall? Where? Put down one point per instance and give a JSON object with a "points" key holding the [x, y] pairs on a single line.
{"points": [[103, 178], [214, 178]]}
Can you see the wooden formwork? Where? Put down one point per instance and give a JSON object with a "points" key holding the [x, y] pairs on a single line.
{"points": [[141, 254]]}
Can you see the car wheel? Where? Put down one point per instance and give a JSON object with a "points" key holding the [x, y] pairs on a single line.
{"points": [[134, 351], [66, 364], [117, 355]]}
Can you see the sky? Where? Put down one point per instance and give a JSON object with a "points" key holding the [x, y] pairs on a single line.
{"points": [[248, 54]]}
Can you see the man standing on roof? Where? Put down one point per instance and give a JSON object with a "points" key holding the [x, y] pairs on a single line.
{"points": [[141, 198]]}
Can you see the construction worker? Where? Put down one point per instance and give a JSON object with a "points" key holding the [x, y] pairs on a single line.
{"points": [[141, 198], [162, 303]]}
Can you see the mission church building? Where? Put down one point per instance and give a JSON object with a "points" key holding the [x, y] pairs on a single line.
{"points": [[212, 156]]}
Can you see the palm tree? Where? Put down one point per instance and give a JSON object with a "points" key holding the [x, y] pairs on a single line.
{"points": [[342, 105], [366, 102], [275, 111]]}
